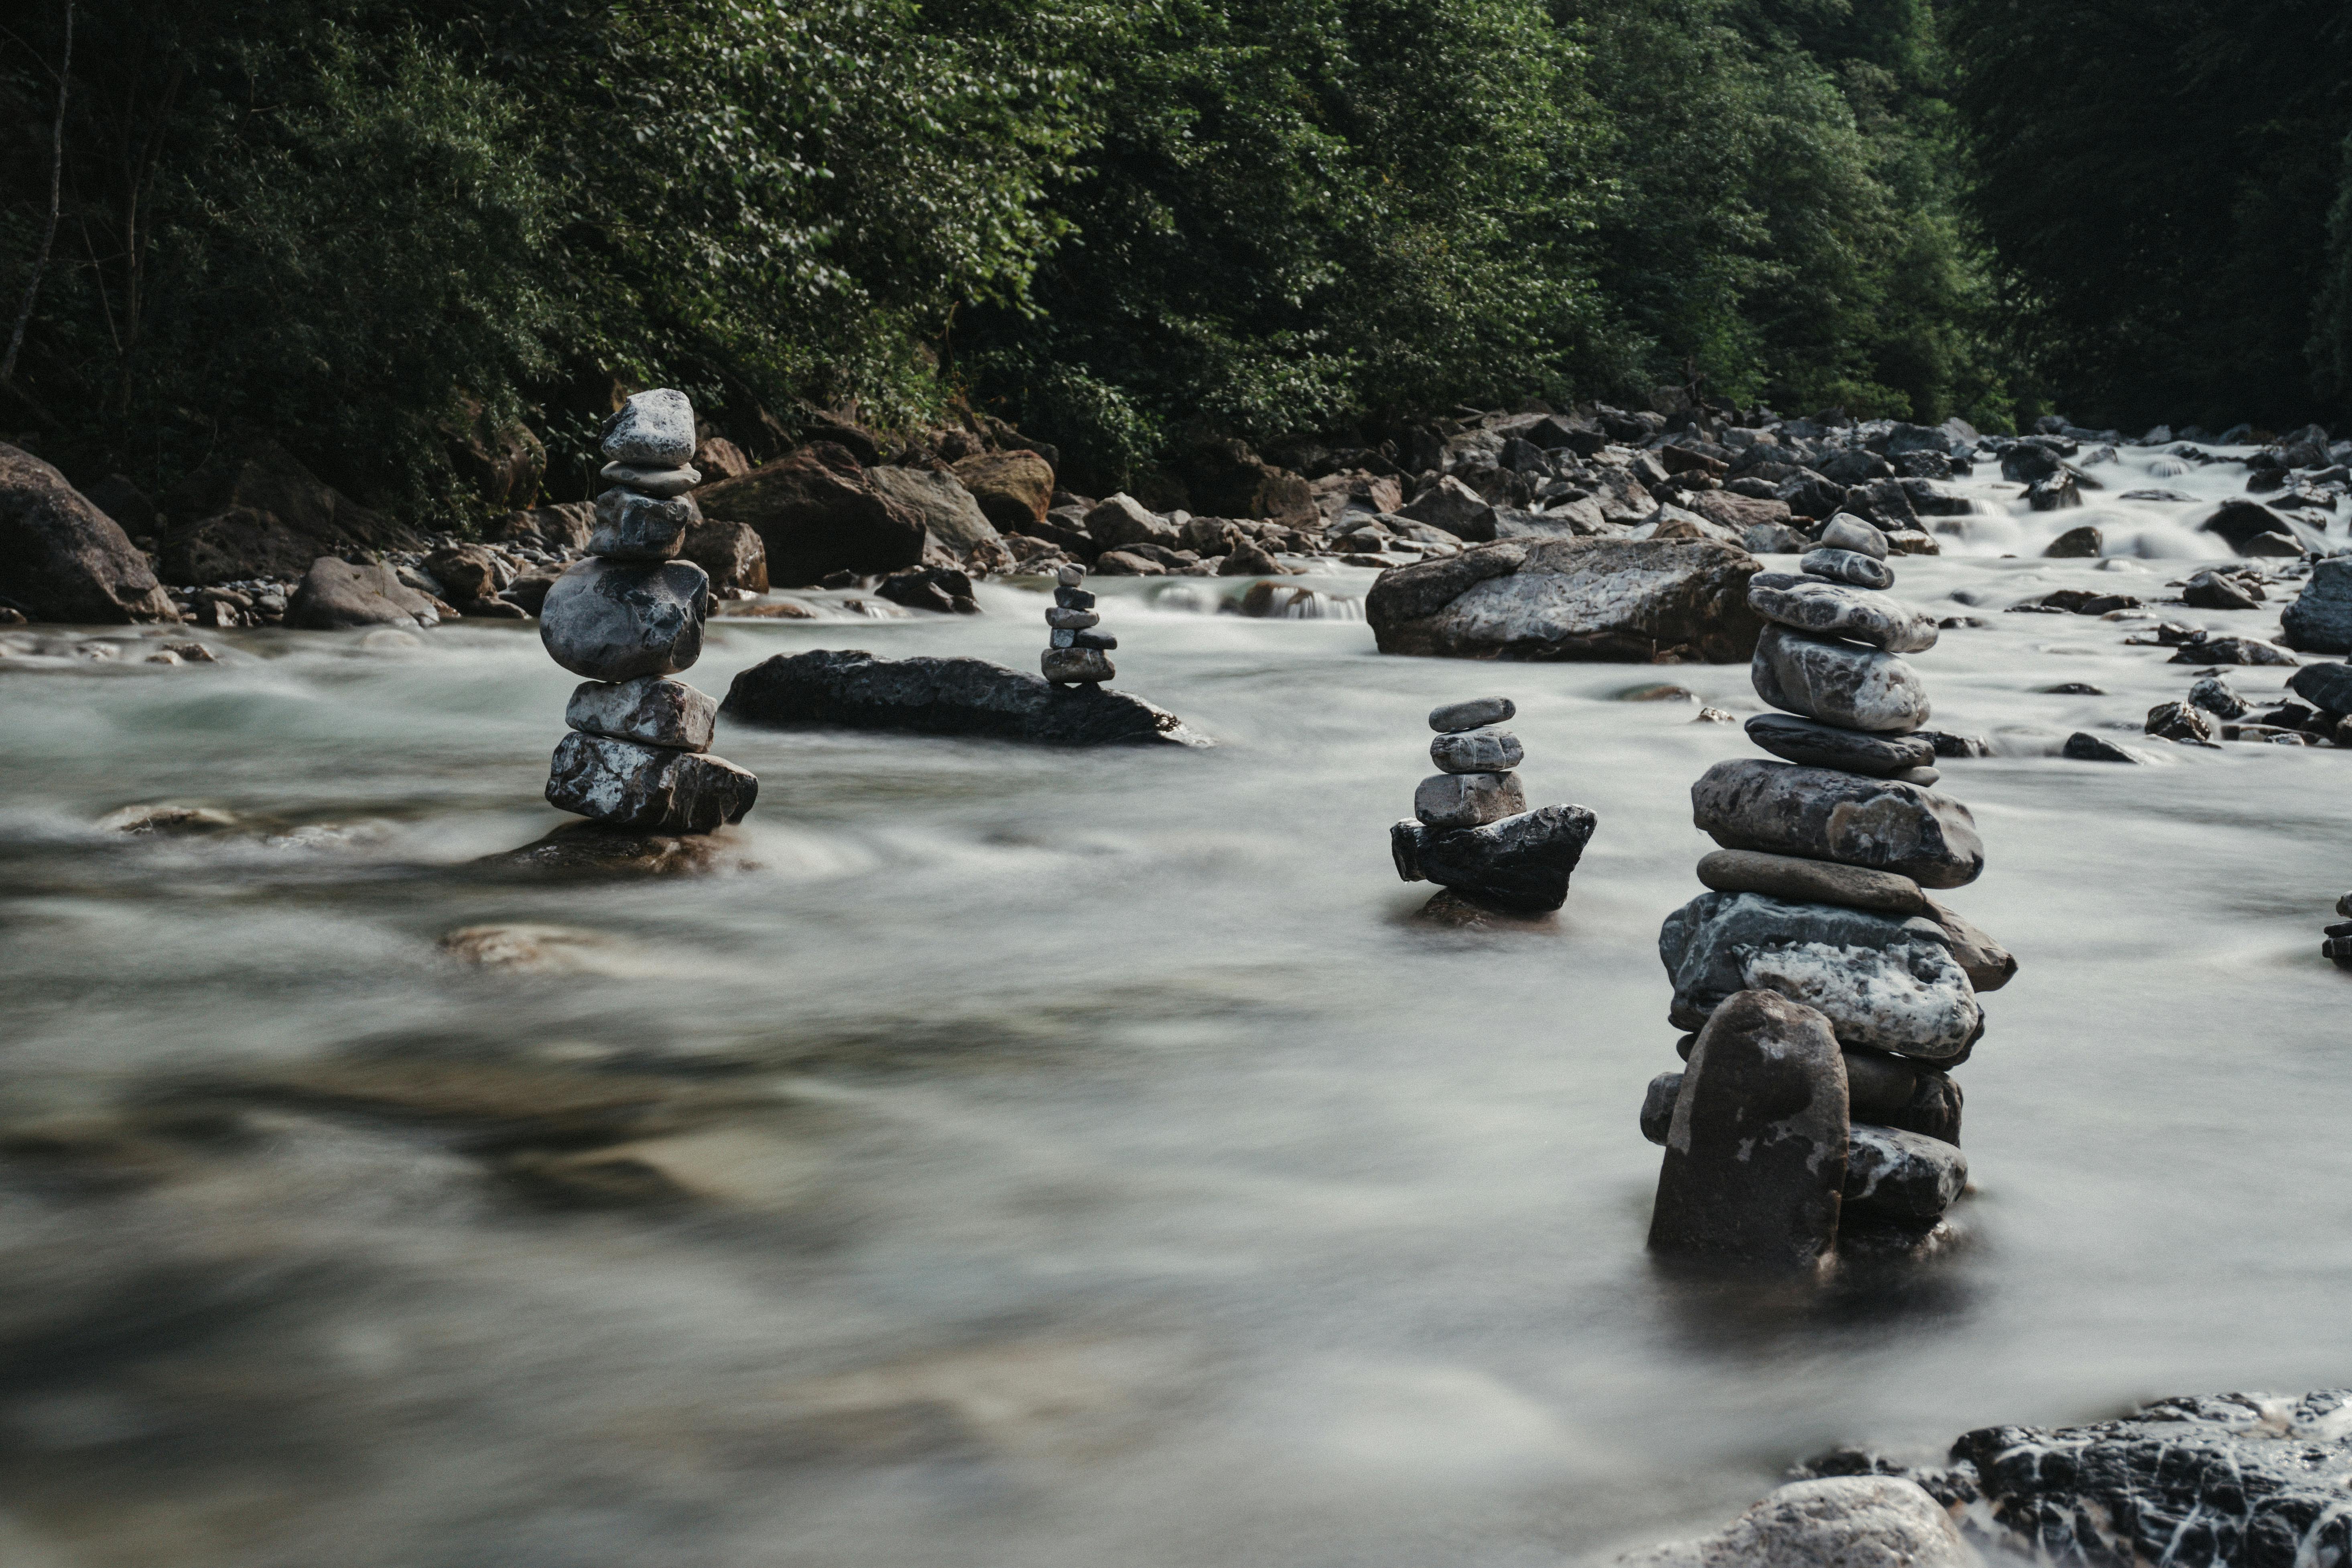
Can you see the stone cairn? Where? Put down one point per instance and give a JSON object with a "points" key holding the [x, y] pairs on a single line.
{"points": [[1471, 831], [628, 616], [1076, 654], [1828, 995]]}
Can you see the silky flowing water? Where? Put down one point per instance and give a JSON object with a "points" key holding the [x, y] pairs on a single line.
{"points": [[1119, 1175]]}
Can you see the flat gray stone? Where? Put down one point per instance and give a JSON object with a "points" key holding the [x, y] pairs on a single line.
{"points": [[1102, 641], [632, 527], [1468, 800], [1820, 745], [651, 709], [652, 430], [1885, 983], [616, 620], [335, 596], [1522, 863], [1476, 751], [1827, 609], [625, 785], [1473, 714], [1812, 882], [1838, 683], [651, 481], [1847, 532], [1989, 965], [848, 689], [1821, 814], [1062, 620], [1848, 566], [1076, 666], [1894, 1175]]}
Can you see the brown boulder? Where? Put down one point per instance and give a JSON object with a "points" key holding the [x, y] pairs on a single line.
{"points": [[950, 515], [563, 527], [335, 596], [61, 559], [731, 552], [816, 513], [1225, 478], [268, 517], [719, 459], [1637, 601], [1013, 488]]}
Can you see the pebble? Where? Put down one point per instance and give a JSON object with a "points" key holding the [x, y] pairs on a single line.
{"points": [[1821, 813], [1467, 800], [1475, 714], [1837, 682], [650, 710], [1847, 532], [652, 430], [1800, 881], [2180, 722], [1825, 609], [1848, 566], [616, 620], [1476, 751], [2216, 696], [1816, 744]]}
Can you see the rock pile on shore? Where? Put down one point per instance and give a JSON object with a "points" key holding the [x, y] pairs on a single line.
{"points": [[1828, 995], [629, 616], [1076, 653], [1471, 831]]}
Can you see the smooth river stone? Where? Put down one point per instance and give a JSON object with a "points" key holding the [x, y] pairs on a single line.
{"points": [[1473, 714], [1990, 965], [1476, 751], [1074, 599], [2326, 687], [632, 527], [1885, 983], [652, 430], [1812, 882], [652, 787], [1755, 1163], [1521, 863], [1820, 745], [616, 620], [662, 482], [1821, 814], [1468, 800], [1895, 1174], [1826, 609], [1062, 620], [651, 709], [1076, 666], [1847, 532], [1658, 1106], [1837, 682], [1886, 1089], [1102, 641], [1848, 566]]}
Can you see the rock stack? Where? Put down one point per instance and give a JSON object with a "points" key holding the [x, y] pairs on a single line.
{"points": [[1471, 831], [1828, 995], [1076, 654], [629, 616], [2335, 944]]}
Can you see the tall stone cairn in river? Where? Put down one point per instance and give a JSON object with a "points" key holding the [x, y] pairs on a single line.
{"points": [[1829, 995], [1076, 654], [1471, 831], [628, 616]]}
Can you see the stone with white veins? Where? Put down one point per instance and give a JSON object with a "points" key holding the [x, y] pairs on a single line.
{"points": [[1820, 745], [651, 481], [632, 527], [1847, 566], [1830, 610], [1475, 713], [656, 788], [1824, 815], [1847, 532], [652, 430], [1468, 800], [1069, 576], [1838, 683], [616, 620], [1894, 1175], [652, 710], [1476, 751]]}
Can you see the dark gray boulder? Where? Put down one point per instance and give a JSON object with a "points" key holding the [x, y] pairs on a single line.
{"points": [[61, 559], [1640, 600], [1520, 863], [616, 620], [1755, 1149], [2239, 522], [335, 596], [2232, 651], [1825, 815], [2082, 746], [1837, 682], [1820, 745], [625, 785], [853, 690], [2320, 619], [2326, 687]]}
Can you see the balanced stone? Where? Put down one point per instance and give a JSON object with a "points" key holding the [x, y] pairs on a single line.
{"points": [[1062, 620], [1820, 745], [616, 620], [1923, 777], [1102, 641], [1837, 682], [1468, 800], [1813, 881], [1070, 576], [1847, 532], [1934, 1109], [1074, 598], [1755, 1163], [1522, 862], [1473, 714], [641, 528], [651, 430], [1885, 1088], [1821, 814], [1476, 751], [651, 709], [1901, 1175], [651, 481], [1658, 1106], [1076, 666], [1825, 609], [652, 787], [1885, 983], [1877, 1083], [1848, 566], [1989, 965]]}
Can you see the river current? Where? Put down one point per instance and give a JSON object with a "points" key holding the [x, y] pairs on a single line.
{"points": [[1113, 1170]]}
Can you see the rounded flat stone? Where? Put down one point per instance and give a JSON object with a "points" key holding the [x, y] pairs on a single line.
{"points": [[1819, 745], [1476, 713], [656, 788], [1901, 1175], [1062, 620], [1070, 576], [1467, 800], [1848, 566], [634, 527], [1837, 682], [652, 710], [616, 620], [1812, 882], [1816, 814], [1847, 532], [1832, 610], [659, 482], [1476, 751], [652, 430]]}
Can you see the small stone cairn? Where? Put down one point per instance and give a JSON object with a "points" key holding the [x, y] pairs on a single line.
{"points": [[628, 616], [1076, 654], [1471, 831], [1828, 995], [2335, 940]]}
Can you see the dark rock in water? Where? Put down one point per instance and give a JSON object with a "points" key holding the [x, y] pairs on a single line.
{"points": [[2272, 544], [2026, 462], [2056, 492], [651, 709], [942, 589], [616, 620], [2240, 520], [2232, 650], [1825, 609], [1823, 815], [1459, 911], [1756, 1151], [2218, 591], [2070, 689], [2320, 619], [2082, 746], [1901, 1175], [589, 849], [1988, 965], [62, 559], [2174, 498], [1521, 863], [1658, 1106], [1820, 745], [660, 790], [1837, 682], [2215, 696], [2178, 721], [1883, 982], [335, 596], [1796, 880], [1846, 533], [1643, 601], [2326, 687], [854, 690], [2075, 543]]}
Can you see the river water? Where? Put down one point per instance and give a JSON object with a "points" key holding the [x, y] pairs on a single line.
{"points": [[1111, 1170]]}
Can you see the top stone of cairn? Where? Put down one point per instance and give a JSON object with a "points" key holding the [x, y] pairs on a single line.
{"points": [[653, 430], [1475, 714]]}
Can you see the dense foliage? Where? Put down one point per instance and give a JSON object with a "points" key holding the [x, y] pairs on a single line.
{"points": [[374, 228]]}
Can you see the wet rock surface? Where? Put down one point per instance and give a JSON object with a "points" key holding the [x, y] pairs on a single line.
{"points": [[1838, 683], [1824, 815], [1840, 1522], [1666, 601], [335, 596], [854, 689], [617, 620], [626, 785], [1521, 863]]}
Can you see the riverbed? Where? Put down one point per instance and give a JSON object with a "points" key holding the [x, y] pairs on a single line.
{"points": [[1109, 1167]]}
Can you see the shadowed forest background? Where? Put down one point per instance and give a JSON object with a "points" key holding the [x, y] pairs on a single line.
{"points": [[394, 233]]}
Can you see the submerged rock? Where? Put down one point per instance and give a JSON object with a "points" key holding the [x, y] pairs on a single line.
{"points": [[1521, 863], [593, 850], [854, 689], [1654, 601]]}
